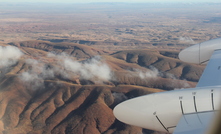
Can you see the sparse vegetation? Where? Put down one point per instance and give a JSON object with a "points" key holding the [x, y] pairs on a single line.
{"points": [[138, 44], [113, 26]]}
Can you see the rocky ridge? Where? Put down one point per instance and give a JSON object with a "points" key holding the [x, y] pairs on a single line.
{"points": [[45, 92]]}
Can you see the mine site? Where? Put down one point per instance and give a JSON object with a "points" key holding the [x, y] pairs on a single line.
{"points": [[64, 67]]}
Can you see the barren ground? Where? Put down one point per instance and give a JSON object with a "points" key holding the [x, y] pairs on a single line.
{"points": [[112, 26], [113, 52]]}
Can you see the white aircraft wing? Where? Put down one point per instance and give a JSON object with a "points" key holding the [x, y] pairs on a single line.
{"points": [[199, 122], [185, 111], [212, 73]]}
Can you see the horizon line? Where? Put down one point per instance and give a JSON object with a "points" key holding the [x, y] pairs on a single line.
{"points": [[172, 2]]}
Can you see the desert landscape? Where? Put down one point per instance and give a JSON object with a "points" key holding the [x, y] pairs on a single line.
{"points": [[64, 67], [111, 25]]}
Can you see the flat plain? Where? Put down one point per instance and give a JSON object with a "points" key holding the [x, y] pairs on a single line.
{"points": [[112, 26]]}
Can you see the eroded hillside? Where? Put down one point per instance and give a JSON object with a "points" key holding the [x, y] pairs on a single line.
{"points": [[72, 88]]}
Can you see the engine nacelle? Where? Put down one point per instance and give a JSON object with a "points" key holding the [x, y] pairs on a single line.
{"points": [[200, 53]]}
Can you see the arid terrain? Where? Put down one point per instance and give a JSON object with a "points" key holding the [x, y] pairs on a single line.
{"points": [[112, 26], [63, 68]]}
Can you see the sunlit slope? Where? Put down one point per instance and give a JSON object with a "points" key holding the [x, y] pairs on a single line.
{"points": [[76, 50], [163, 61], [42, 92]]}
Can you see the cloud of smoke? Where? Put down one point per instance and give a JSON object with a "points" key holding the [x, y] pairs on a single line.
{"points": [[183, 84], [154, 73], [151, 73], [176, 82], [187, 40], [35, 76], [40, 69], [9, 55], [32, 79], [92, 69], [119, 97]]}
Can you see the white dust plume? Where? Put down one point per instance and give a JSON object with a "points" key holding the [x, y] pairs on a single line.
{"points": [[119, 97]]}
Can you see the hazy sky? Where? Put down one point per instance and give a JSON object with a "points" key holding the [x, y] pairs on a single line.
{"points": [[87, 1]]}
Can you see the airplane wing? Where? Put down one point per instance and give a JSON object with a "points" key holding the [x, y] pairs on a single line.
{"points": [[185, 111], [212, 73], [199, 123], [194, 123]]}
